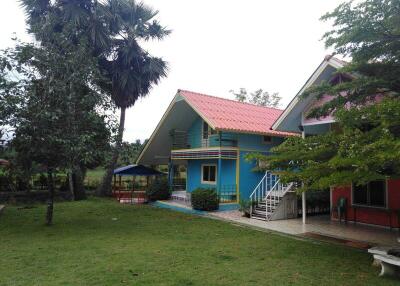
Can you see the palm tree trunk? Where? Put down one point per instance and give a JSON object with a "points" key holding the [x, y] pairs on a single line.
{"points": [[50, 201], [105, 187]]}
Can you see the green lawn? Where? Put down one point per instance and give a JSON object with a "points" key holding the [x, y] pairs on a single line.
{"points": [[99, 242], [95, 174]]}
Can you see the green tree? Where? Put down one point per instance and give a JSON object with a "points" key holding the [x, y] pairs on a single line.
{"points": [[368, 33], [365, 144], [130, 152], [132, 71], [116, 30], [53, 110], [257, 97]]}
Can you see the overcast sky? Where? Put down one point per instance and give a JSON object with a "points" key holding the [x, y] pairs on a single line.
{"points": [[219, 45]]}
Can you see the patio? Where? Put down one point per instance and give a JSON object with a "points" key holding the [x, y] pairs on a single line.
{"points": [[321, 227]]}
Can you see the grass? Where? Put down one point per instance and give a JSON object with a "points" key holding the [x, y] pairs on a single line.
{"points": [[99, 242], [95, 174]]}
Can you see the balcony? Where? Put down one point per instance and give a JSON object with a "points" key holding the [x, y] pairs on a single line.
{"points": [[203, 146], [183, 140]]}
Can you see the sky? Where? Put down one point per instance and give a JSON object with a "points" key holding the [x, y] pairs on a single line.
{"points": [[219, 45]]}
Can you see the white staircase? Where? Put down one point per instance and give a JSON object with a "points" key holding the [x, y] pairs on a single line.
{"points": [[268, 199]]}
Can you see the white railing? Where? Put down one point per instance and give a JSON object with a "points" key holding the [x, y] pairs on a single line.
{"points": [[274, 196], [260, 191]]}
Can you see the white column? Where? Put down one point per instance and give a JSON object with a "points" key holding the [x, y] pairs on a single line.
{"points": [[304, 207], [303, 195]]}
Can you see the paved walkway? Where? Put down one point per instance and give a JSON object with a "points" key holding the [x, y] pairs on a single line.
{"points": [[320, 225]]}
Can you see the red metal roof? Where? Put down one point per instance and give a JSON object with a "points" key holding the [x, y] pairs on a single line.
{"points": [[230, 115]]}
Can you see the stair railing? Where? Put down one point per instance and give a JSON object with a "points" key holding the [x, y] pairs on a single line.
{"points": [[260, 191], [273, 197]]}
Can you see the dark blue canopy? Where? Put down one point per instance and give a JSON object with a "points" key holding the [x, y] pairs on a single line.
{"points": [[136, 170]]}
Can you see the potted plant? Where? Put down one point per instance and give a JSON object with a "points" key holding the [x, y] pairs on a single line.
{"points": [[245, 207]]}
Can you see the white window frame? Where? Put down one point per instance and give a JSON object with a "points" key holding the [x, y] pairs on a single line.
{"points": [[369, 206], [216, 173], [266, 142]]}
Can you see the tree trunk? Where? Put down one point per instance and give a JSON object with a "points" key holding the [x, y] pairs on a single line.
{"points": [[105, 187], [71, 184], [50, 201], [79, 188]]}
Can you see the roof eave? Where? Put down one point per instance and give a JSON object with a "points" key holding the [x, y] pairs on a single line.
{"points": [[332, 61]]}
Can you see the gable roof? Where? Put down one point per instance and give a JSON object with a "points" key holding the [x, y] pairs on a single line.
{"points": [[326, 68], [221, 114], [233, 116]]}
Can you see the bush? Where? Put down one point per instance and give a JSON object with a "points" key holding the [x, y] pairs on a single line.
{"points": [[158, 190], [205, 199], [245, 207]]}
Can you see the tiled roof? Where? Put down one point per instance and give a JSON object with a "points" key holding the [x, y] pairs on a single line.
{"points": [[230, 115]]}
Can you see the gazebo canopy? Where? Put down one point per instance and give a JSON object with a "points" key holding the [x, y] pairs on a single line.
{"points": [[4, 162], [136, 170]]}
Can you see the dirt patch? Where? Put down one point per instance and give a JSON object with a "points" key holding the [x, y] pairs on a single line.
{"points": [[351, 243]]}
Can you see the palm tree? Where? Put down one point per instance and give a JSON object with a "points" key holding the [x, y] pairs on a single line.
{"points": [[131, 71], [115, 30]]}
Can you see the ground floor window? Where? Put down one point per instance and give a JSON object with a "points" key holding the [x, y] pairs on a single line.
{"points": [[208, 173], [372, 194]]}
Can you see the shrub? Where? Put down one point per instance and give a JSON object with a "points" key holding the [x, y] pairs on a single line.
{"points": [[205, 199], [245, 207], [158, 190]]}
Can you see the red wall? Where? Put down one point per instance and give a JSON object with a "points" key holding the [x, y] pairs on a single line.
{"points": [[387, 217]]}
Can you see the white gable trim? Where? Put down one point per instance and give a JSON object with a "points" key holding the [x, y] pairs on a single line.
{"points": [[177, 97], [325, 63]]}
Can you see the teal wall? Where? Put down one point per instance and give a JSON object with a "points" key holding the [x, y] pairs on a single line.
{"points": [[195, 135], [248, 178], [228, 175], [247, 143]]}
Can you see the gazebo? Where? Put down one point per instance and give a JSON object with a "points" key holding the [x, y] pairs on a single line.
{"points": [[4, 162], [129, 190]]}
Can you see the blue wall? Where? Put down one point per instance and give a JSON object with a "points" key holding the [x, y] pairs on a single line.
{"points": [[247, 143], [228, 175], [195, 135], [248, 178]]}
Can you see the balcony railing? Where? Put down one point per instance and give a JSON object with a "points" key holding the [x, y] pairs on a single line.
{"points": [[227, 194], [183, 140]]}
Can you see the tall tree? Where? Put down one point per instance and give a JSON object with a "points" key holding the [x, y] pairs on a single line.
{"points": [[116, 29], [53, 110], [368, 32], [257, 97], [131, 70], [365, 144]]}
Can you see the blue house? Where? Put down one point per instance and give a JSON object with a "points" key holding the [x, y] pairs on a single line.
{"points": [[211, 136]]}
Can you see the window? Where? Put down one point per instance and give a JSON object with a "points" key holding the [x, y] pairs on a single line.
{"points": [[372, 194], [209, 174], [267, 139]]}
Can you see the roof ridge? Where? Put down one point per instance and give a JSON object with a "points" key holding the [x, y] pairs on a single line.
{"points": [[228, 99]]}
